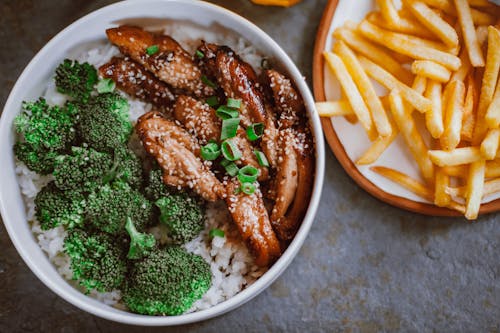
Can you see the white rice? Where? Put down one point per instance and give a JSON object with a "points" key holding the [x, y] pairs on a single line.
{"points": [[232, 266]]}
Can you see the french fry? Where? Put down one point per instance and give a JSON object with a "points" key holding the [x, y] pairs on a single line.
{"points": [[461, 171], [447, 6], [489, 146], [490, 187], [386, 79], [377, 148], [404, 25], [456, 156], [482, 34], [412, 137], [352, 93], [481, 18], [408, 46], [441, 198], [334, 108], [464, 69], [405, 181], [432, 21], [389, 12], [474, 192], [373, 52], [469, 119], [379, 115], [489, 81], [469, 33], [430, 70], [493, 112], [454, 109], [434, 117]]}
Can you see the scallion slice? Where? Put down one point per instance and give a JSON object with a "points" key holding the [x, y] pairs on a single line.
{"points": [[231, 168], [230, 151], [224, 112], [261, 158], [234, 103], [216, 233], [247, 188], [105, 86], [212, 101], [210, 151], [248, 174], [200, 54], [229, 128], [209, 83], [152, 49], [255, 131]]}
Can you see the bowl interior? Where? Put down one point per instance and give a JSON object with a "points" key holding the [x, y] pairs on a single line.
{"points": [[30, 85]]}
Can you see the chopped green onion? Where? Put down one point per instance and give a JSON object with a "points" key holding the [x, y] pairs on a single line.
{"points": [[212, 101], [264, 63], [261, 158], [224, 112], [255, 131], [247, 188], [234, 103], [210, 151], [216, 233], [248, 174], [209, 83], [229, 128], [152, 49], [230, 151], [105, 86], [231, 168], [200, 54]]}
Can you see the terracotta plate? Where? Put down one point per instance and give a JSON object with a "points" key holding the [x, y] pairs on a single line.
{"points": [[402, 201]]}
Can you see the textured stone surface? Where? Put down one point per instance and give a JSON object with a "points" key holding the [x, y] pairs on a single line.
{"points": [[365, 267]]}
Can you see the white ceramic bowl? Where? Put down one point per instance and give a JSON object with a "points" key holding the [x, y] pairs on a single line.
{"points": [[30, 85]]}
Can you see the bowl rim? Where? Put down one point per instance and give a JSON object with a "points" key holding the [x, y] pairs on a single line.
{"points": [[340, 153], [245, 295]]}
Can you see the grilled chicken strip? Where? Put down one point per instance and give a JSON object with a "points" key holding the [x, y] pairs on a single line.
{"points": [[239, 81], [200, 120], [171, 63], [135, 80], [168, 143], [252, 220]]}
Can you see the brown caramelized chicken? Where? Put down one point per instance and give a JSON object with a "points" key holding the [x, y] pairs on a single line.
{"points": [[162, 56], [252, 220], [173, 149], [136, 81]]}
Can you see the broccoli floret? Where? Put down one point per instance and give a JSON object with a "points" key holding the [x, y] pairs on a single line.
{"points": [[109, 207], [141, 244], [54, 207], [84, 169], [167, 282], [182, 215], [75, 79], [104, 122], [97, 260], [128, 167], [156, 188], [46, 132]]}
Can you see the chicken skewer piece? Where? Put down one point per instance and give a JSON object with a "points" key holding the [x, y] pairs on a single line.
{"points": [[135, 80], [239, 81], [181, 168], [162, 56], [252, 220]]}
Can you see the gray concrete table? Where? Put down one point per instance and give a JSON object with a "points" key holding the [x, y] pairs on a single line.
{"points": [[365, 267]]}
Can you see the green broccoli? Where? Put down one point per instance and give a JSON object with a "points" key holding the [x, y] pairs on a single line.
{"points": [[156, 188], [141, 244], [54, 207], [109, 207], [167, 282], [104, 122], [127, 167], [97, 260], [84, 169], [75, 79], [47, 131], [182, 215]]}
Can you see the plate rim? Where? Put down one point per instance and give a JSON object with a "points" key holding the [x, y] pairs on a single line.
{"points": [[338, 149]]}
